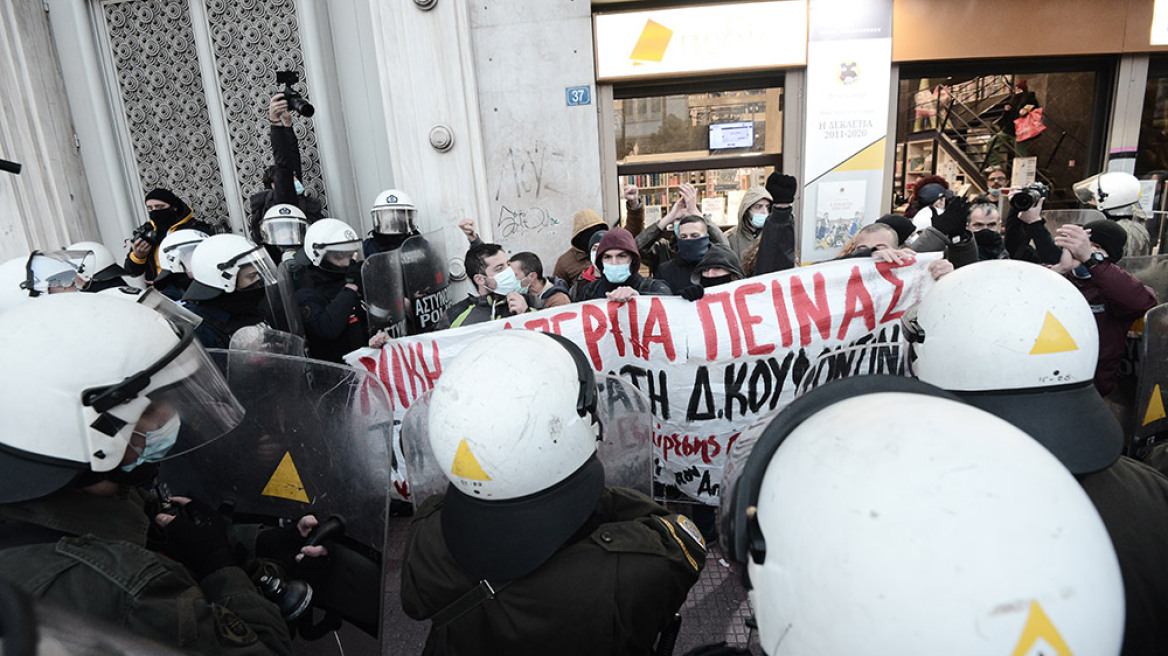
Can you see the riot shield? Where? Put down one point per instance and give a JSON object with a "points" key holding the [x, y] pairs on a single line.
{"points": [[1056, 219], [1146, 267], [883, 358], [1151, 421], [267, 340], [316, 438], [427, 281], [384, 291], [625, 446], [281, 300]]}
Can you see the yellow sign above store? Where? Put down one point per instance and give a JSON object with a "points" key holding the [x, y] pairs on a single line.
{"points": [[704, 39]]}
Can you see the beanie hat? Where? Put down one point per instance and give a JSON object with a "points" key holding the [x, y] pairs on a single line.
{"points": [[903, 226], [1110, 236], [618, 239], [596, 237]]}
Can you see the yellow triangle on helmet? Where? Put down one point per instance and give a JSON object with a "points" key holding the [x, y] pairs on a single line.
{"points": [[1155, 407], [1053, 338], [466, 465], [1039, 629]]}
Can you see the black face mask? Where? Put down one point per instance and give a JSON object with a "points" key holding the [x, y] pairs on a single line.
{"points": [[988, 238], [714, 281], [244, 301], [389, 242], [164, 218]]}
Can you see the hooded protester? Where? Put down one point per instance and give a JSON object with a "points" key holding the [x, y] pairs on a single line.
{"points": [[591, 273], [718, 266], [618, 262], [758, 204], [575, 260], [776, 243], [168, 213], [901, 224]]}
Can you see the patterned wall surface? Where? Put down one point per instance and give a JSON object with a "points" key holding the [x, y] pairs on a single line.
{"points": [[157, 69], [252, 39]]}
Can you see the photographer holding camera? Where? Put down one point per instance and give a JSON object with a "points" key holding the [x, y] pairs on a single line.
{"points": [[282, 179], [1024, 225], [167, 213]]}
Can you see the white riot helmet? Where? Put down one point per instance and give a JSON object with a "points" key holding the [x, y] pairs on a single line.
{"points": [[284, 225], [37, 275], [394, 213], [174, 253], [511, 424], [71, 408], [228, 263], [1019, 341], [330, 236], [1114, 192], [99, 264], [951, 533], [157, 301]]}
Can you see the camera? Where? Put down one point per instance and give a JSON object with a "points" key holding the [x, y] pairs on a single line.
{"points": [[1028, 196], [296, 102], [146, 233]]}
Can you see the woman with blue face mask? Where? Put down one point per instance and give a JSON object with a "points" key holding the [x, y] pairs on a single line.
{"points": [[618, 262]]}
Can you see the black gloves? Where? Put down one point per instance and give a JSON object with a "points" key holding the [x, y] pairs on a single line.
{"points": [[782, 188], [280, 544], [197, 537], [353, 274], [693, 292], [953, 220]]}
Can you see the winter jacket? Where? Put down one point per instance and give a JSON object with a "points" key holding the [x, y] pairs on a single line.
{"points": [[150, 266], [1018, 238], [776, 246], [555, 293], [479, 309], [575, 259], [657, 246], [286, 157], [1117, 299], [334, 321], [743, 235]]}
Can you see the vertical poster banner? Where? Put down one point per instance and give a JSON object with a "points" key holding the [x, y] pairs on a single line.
{"points": [[849, 60]]}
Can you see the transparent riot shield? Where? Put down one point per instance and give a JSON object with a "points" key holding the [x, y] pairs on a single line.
{"points": [[427, 281], [625, 447], [883, 358], [267, 340], [281, 300], [1146, 267], [316, 438], [1056, 219], [1151, 421], [384, 292]]}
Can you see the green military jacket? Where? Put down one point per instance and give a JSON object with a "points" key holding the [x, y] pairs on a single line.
{"points": [[106, 572], [611, 592]]}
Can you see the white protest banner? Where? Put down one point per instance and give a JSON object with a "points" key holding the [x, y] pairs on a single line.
{"points": [[709, 368]]}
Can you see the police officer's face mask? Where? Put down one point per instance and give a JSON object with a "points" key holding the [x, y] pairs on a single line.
{"points": [[152, 446]]}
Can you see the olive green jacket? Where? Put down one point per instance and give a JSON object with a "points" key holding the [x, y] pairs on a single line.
{"points": [[103, 570]]}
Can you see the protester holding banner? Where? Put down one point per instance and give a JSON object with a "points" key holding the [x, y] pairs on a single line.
{"points": [[657, 243], [497, 289], [328, 290], [1029, 347], [528, 551], [618, 262]]}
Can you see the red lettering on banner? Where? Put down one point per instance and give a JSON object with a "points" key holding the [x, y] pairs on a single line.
{"points": [[430, 375], [781, 313], [614, 329], [885, 270], [710, 332], [660, 320], [399, 385], [559, 319], [748, 320], [541, 325], [595, 327], [687, 446], [807, 311], [857, 294]]}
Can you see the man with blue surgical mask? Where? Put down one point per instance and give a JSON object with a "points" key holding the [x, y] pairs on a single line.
{"points": [[496, 286], [693, 242], [766, 222], [618, 262]]}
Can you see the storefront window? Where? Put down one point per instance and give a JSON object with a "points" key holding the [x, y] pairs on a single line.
{"points": [[964, 125], [722, 141]]}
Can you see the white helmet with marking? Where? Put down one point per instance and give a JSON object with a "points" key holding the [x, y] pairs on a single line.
{"points": [[330, 236], [394, 213], [1114, 192]]}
